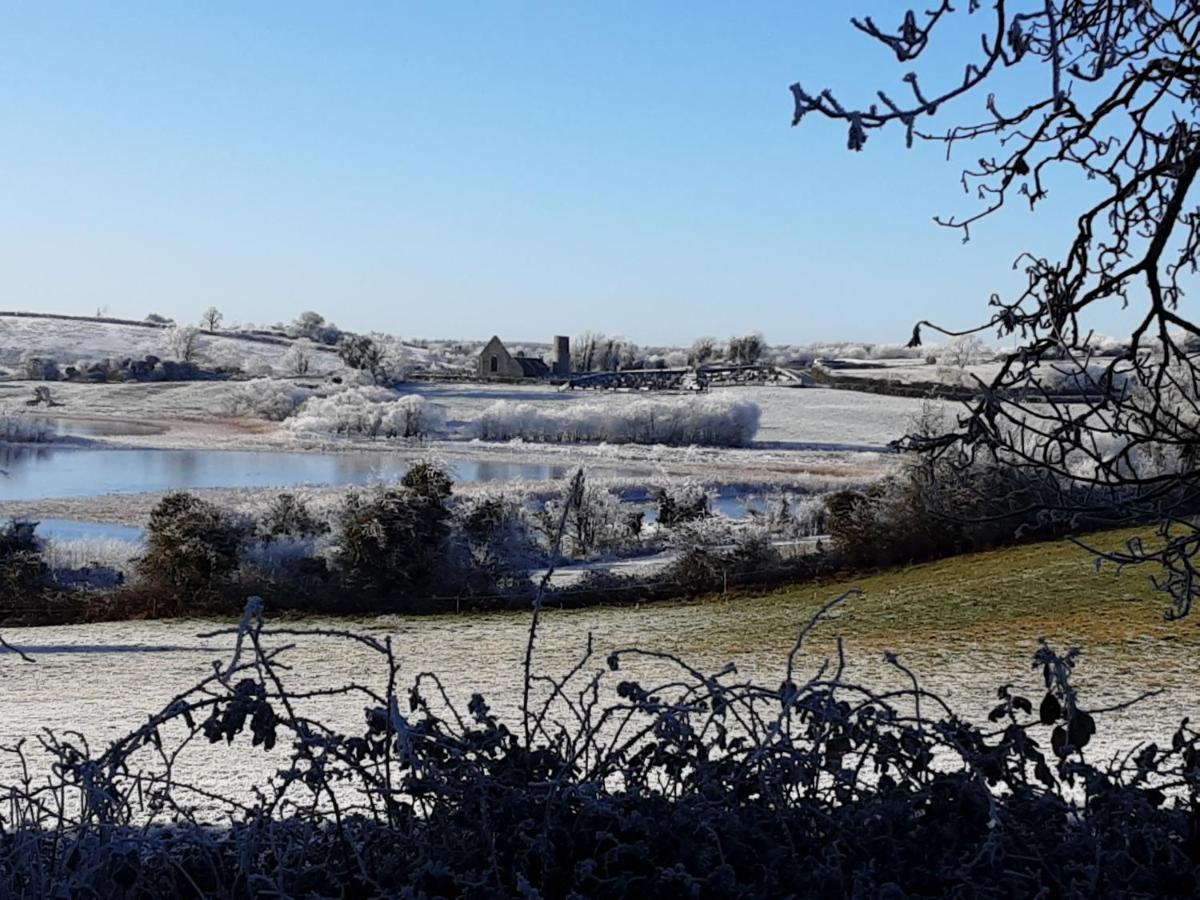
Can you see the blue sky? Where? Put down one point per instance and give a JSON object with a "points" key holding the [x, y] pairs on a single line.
{"points": [[454, 170]]}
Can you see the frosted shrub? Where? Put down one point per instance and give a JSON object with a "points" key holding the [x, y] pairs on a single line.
{"points": [[288, 516], [16, 429], [298, 358], [370, 412], [712, 553], [597, 523], [708, 420], [90, 553], [266, 398], [965, 350], [21, 563], [39, 368], [683, 502], [192, 547], [496, 538]]}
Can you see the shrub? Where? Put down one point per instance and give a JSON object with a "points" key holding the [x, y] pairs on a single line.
{"points": [[681, 503], [369, 412], [39, 368], [298, 358], [267, 398], [708, 420], [312, 325], [392, 541], [928, 512], [429, 480], [596, 522], [192, 548], [358, 351], [289, 516], [712, 557], [498, 548], [21, 565]]}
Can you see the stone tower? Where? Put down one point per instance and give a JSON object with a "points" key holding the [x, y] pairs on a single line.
{"points": [[560, 363]]}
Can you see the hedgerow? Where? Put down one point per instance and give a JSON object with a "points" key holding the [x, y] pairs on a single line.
{"points": [[681, 421], [609, 781]]}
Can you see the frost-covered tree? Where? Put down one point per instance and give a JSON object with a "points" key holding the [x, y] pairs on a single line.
{"points": [[747, 349], [703, 349], [298, 358], [358, 351], [211, 318], [312, 325], [182, 342], [962, 351]]}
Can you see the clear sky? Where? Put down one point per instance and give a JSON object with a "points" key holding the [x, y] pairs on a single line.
{"points": [[453, 170]]}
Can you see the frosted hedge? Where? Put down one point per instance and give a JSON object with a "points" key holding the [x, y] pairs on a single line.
{"points": [[710, 421], [368, 412]]}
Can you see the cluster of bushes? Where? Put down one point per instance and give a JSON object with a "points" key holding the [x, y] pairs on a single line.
{"points": [[410, 546], [368, 412], [267, 398], [933, 510], [312, 326], [35, 367], [678, 421]]}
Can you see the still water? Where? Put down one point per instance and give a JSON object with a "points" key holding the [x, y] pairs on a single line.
{"points": [[43, 472]]}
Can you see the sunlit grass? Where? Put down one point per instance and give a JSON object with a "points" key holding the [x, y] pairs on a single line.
{"points": [[1052, 590]]}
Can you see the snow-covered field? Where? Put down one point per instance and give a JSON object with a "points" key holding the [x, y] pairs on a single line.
{"points": [[70, 340], [106, 678]]}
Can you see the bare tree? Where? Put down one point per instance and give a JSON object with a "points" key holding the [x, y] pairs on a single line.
{"points": [[1118, 104], [210, 319]]}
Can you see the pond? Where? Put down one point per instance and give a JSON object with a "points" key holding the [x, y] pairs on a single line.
{"points": [[40, 472]]}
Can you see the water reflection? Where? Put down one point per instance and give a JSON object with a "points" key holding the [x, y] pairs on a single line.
{"points": [[71, 427], [43, 472]]}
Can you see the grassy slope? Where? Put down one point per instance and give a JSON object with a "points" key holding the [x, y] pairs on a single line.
{"points": [[1048, 589]]}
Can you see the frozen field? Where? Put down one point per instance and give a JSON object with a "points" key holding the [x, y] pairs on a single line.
{"points": [[792, 418], [106, 678], [69, 340]]}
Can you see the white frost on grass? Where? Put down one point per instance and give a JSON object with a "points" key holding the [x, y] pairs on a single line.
{"points": [[718, 421], [72, 340], [368, 412]]}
